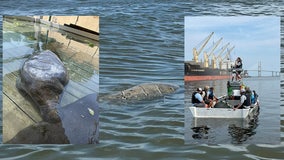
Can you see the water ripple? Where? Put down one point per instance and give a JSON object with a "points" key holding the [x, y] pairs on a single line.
{"points": [[139, 41]]}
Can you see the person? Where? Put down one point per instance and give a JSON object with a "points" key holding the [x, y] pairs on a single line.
{"points": [[197, 99], [212, 98], [204, 95], [238, 66], [245, 100], [238, 63], [254, 97], [234, 75]]}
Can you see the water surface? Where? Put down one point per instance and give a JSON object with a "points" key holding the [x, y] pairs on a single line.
{"points": [[144, 41]]}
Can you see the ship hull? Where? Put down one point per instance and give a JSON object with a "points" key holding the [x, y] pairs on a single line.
{"points": [[195, 72]]}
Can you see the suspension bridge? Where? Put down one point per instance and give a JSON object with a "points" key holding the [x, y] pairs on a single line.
{"points": [[261, 72]]}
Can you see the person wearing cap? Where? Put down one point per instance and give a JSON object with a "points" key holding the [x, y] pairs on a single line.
{"points": [[245, 100], [197, 99]]}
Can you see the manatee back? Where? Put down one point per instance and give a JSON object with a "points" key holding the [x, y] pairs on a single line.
{"points": [[145, 91]]}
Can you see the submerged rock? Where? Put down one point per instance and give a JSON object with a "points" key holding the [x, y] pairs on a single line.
{"points": [[142, 92], [43, 77]]}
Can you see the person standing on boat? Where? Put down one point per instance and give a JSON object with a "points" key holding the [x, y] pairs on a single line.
{"points": [[197, 99], [245, 100], [238, 66], [238, 63], [234, 75]]}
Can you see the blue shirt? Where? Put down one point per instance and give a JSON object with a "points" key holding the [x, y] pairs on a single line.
{"points": [[198, 96]]}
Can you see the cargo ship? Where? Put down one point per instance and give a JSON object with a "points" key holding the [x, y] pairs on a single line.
{"points": [[196, 70]]}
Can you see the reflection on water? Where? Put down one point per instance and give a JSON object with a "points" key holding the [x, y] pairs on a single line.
{"points": [[80, 56], [218, 130]]}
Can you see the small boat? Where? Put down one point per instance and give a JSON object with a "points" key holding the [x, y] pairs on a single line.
{"points": [[225, 112], [224, 108]]}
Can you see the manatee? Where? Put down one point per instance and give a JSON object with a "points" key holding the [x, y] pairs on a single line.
{"points": [[79, 125], [43, 77], [142, 92]]}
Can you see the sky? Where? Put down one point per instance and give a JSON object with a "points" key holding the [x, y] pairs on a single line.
{"points": [[256, 39]]}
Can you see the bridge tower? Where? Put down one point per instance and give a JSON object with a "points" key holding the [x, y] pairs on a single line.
{"points": [[259, 69]]}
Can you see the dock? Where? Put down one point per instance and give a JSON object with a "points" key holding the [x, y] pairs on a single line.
{"points": [[79, 53]]}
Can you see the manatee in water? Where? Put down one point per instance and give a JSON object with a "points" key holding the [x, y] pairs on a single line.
{"points": [[80, 125], [43, 77], [142, 92]]}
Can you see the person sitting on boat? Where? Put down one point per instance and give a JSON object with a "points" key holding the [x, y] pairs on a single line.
{"points": [[213, 99], [197, 99], [204, 94], [254, 97], [245, 100]]}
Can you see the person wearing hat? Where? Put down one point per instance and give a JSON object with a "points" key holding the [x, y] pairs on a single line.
{"points": [[197, 99], [245, 100]]}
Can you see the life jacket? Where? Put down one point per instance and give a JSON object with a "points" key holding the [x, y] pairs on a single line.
{"points": [[193, 99], [247, 102]]}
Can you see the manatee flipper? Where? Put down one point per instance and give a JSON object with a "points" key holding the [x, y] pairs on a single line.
{"points": [[41, 133], [79, 125], [80, 120]]}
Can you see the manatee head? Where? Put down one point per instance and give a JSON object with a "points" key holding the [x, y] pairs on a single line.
{"points": [[167, 88]]}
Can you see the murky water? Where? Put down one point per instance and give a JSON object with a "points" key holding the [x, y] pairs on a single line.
{"points": [[144, 41]]}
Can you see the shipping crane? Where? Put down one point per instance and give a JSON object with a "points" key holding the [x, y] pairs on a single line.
{"points": [[197, 53], [214, 58], [206, 56], [227, 56]]}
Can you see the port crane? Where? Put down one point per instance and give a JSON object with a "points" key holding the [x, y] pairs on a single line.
{"points": [[214, 58], [206, 56], [227, 56], [197, 53]]}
